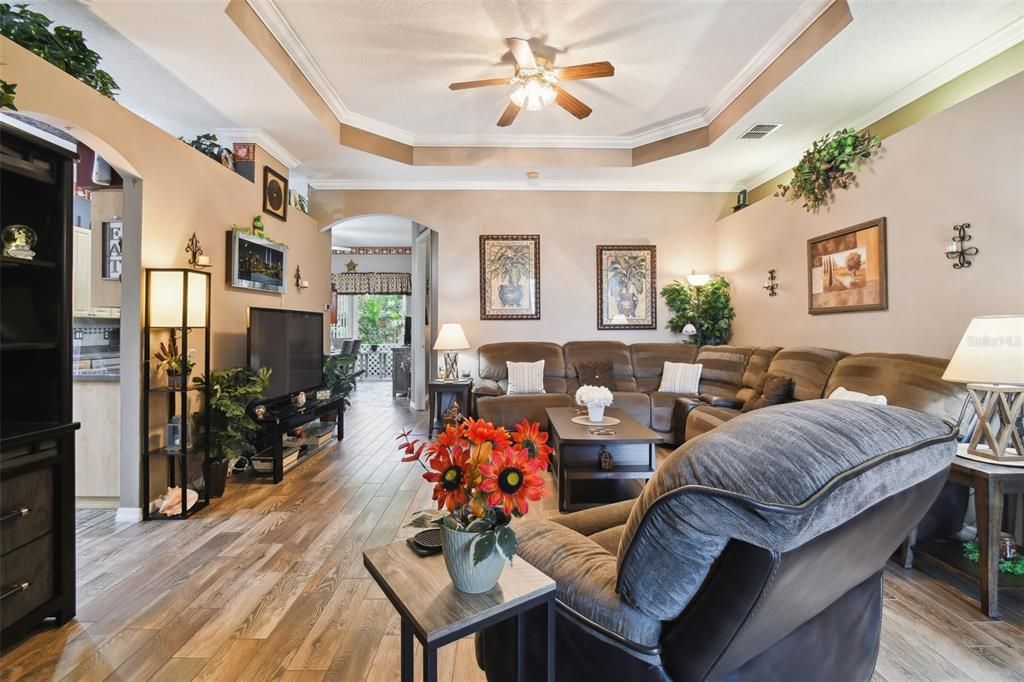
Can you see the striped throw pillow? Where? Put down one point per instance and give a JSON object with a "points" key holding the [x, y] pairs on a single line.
{"points": [[680, 377], [525, 377]]}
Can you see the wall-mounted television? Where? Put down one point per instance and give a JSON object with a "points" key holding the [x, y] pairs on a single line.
{"points": [[257, 263], [291, 344]]}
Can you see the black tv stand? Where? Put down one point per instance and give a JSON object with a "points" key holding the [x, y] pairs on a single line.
{"points": [[281, 417]]}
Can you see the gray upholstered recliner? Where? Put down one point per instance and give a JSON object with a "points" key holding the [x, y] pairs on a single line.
{"points": [[756, 552]]}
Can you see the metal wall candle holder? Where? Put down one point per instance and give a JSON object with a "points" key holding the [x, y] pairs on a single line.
{"points": [[771, 285], [196, 259], [955, 249], [300, 283]]}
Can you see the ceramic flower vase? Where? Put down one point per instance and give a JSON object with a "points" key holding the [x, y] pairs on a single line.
{"points": [[595, 413], [457, 547]]}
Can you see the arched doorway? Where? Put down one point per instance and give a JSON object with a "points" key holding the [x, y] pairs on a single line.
{"points": [[106, 291], [372, 253]]}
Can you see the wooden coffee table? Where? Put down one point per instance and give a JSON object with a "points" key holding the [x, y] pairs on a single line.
{"points": [[437, 614], [578, 453]]}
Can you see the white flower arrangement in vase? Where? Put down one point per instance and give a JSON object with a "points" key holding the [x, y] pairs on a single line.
{"points": [[595, 399]]}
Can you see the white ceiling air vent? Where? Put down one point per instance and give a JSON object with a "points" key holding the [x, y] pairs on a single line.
{"points": [[759, 130]]}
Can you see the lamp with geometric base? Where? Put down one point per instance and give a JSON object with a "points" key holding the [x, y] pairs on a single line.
{"points": [[451, 339], [990, 361]]}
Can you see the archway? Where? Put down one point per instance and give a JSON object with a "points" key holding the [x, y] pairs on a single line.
{"points": [[95, 479], [390, 243]]}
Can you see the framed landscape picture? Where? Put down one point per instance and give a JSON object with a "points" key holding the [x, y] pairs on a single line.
{"points": [[846, 270], [510, 277], [627, 287]]}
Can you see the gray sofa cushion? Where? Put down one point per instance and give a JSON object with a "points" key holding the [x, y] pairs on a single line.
{"points": [[755, 479]]}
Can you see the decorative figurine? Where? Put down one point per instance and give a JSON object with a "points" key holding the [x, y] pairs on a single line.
{"points": [[257, 227], [605, 459], [453, 415], [299, 399], [18, 241]]}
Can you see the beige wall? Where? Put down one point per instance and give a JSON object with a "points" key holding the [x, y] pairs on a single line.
{"points": [[183, 191], [965, 164], [372, 263], [571, 225]]}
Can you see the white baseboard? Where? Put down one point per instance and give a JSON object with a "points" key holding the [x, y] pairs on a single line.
{"points": [[96, 502], [128, 515]]}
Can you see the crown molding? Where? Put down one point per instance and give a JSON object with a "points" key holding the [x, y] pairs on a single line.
{"points": [[263, 139], [279, 27], [979, 53], [271, 16], [525, 185]]}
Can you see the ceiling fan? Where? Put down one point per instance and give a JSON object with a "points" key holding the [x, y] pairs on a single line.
{"points": [[535, 83]]}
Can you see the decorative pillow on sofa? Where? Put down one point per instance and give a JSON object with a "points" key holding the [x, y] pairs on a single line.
{"points": [[771, 389], [680, 377], [597, 373], [525, 377], [843, 394]]}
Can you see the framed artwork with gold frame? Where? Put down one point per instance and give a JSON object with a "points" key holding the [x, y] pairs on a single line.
{"points": [[846, 270], [509, 277]]}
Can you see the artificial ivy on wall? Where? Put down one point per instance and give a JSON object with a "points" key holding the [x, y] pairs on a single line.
{"points": [[831, 163], [64, 47]]}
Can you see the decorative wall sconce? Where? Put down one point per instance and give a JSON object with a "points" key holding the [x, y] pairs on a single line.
{"points": [[955, 249], [300, 283], [196, 259], [771, 284]]}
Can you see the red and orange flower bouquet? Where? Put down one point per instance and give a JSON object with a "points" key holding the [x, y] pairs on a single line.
{"points": [[482, 476]]}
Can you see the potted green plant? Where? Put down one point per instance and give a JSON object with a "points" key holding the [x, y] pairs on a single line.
{"points": [[511, 263], [177, 364], [230, 391], [708, 308], [340, 378]]}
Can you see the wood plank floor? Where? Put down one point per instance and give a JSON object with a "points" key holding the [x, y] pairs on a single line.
{"points": [[268, 583]]}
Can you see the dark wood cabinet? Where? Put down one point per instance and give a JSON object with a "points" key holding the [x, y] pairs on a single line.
{"points": [[37, 447]]}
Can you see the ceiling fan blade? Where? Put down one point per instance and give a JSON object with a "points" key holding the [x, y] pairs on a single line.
{"points": [[581, 71], [509, 115], [571, 104], [522, 53], [465, 85]]}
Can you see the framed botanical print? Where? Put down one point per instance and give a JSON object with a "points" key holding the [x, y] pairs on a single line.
{"points": [[846, 270], [275, 193], [510, 277], [627, 287]]}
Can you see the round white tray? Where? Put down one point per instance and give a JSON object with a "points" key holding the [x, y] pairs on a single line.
{"points": [[607, 421]]}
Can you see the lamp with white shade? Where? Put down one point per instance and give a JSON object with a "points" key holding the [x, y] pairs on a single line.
{"points": [[990, 361], [451, 339]]}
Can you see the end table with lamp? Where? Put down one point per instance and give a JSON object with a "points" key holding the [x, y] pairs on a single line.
{"points": [[451, 339], [990, 361]]}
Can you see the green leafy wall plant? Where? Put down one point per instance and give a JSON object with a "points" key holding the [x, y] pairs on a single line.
{"points": [[708, 308], [7, 94], [62, 46], [831, 163], [206, 144]]}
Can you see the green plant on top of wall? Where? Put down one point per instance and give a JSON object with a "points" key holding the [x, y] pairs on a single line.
{"points": [[206, 144], [708, 308], [64, 47], [7, 94], [831, 163]]}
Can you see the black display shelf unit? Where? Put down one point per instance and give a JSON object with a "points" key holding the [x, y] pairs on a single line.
{"points": [[179, 295], [282, 417], [37, 434]]}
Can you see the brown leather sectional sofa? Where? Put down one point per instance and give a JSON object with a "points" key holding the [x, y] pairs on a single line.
{"points": [[727, 379]]}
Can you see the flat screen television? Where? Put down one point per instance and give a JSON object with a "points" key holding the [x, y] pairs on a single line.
{"points": [[257, 263], [291, 344]]}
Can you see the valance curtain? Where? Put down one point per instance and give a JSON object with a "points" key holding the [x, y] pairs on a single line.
{"points": [[372, 283]]}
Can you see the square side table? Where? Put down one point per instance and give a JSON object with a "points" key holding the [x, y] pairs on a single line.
{"points": [[436, 613]]}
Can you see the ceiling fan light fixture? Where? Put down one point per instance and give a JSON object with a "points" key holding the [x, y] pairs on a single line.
{"points": [[532, 92]]}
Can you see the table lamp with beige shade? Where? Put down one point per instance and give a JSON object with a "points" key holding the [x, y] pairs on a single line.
{"points": [[990, 360], [451, 339]]}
